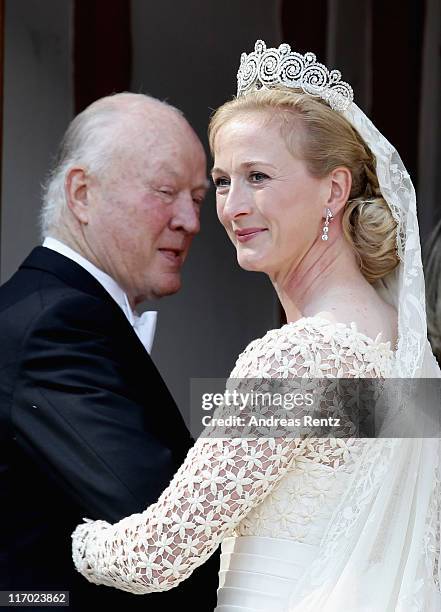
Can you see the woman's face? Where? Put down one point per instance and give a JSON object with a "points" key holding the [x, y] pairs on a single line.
{"points": [[269, 204]]}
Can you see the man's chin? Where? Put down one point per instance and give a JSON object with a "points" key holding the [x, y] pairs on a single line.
{"points": [[166, 288], [159, 290]]}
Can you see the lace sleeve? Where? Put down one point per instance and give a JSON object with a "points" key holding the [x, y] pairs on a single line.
{"points": [[219, 483]]}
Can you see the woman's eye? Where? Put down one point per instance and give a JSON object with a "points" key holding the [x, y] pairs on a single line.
{"points": [[258, 177], [220, 182]]}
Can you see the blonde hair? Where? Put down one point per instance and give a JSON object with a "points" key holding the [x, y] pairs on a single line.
{"points": [[326, 140]]}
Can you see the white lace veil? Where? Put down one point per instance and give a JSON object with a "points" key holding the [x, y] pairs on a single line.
{"points": [[381, 549]]}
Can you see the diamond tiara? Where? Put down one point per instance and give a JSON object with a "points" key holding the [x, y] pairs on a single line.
{"points": [[264, 68]]}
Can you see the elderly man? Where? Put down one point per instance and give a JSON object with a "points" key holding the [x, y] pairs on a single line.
{"points": [[88, 427]]}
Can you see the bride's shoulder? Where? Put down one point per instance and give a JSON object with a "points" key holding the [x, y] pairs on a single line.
{"points": [[304, 330], [316, 345]]}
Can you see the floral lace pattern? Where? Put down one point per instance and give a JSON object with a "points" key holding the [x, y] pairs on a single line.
{"points": [[228, 484], [302, 503]]}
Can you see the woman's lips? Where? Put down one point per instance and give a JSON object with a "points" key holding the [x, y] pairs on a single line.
{"points": [[248, 234]]}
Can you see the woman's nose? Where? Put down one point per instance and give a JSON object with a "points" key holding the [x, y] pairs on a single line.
{"points": [[236, 204]]}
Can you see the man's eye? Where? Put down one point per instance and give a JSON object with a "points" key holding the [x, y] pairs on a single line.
{"points": [[166, 191], [221, 182], [258, 177]]}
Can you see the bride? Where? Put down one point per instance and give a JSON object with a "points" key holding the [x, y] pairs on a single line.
{"points": [[314, 196]]}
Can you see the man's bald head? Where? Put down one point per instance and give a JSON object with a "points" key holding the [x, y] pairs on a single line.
{"points": [[104, 129], [126, 192]]}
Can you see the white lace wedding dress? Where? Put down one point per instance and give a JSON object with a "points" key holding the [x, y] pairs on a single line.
{"points": [[268, 501]]}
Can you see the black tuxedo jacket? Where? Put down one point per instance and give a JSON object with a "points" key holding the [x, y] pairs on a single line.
{"points": [[87, 429]]}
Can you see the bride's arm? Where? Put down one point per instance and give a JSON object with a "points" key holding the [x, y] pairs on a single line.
{"points": [[215, 488], [219, 483]]}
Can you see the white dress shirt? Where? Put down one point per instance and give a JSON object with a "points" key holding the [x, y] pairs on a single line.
{"points": [[144, 325]]}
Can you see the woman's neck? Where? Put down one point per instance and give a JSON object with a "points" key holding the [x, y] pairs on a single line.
{"points": [[320, 280]]}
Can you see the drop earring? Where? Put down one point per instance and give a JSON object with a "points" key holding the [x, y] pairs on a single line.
{"points": [[328, 219]]}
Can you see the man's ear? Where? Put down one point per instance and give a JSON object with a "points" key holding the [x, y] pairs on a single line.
{"points": [[341, 183], [77, 192]]}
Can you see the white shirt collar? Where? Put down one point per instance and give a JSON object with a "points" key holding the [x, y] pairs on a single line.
{"points": [[144, 325]]}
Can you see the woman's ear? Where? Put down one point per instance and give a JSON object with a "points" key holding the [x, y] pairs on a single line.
{"points": [[341, 183], [76, 191]]}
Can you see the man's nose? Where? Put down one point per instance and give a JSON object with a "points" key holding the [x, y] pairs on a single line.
{"points": [[186, 215]]}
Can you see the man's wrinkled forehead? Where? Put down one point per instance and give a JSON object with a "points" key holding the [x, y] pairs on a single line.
{"points": [[174, 160], [166, 131], [194, 176], [158, 138]]}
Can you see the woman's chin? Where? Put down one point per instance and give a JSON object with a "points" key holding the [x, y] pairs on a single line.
{"points": [[251, 264]]}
